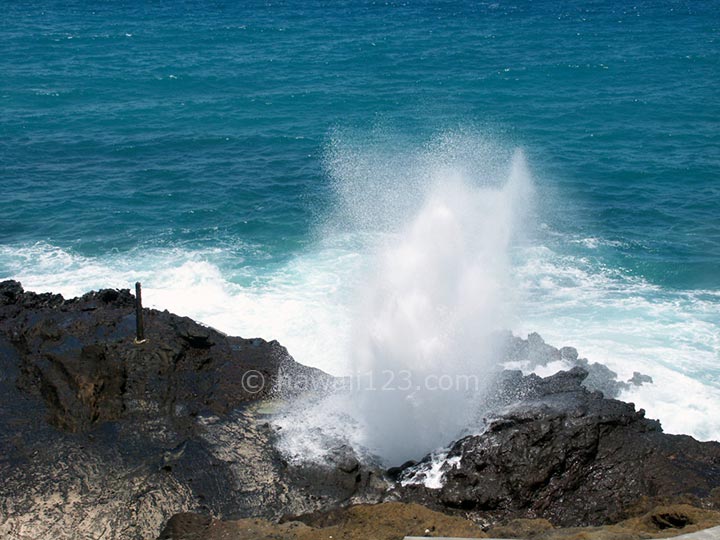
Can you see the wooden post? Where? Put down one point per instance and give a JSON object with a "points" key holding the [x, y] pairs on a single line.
{"points": [[139, 324]]}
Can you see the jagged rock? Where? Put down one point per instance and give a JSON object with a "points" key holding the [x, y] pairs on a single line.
{"points": [[569, 353], [533, 352], [394, 473], [104, 437], [638, 379], [10, 291], [570, 456], [80, 358], [602, 378]]}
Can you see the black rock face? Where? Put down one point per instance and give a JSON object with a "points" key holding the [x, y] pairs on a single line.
{"points": [[571, 456], [100, 435], [80, 357], [534, 352]]}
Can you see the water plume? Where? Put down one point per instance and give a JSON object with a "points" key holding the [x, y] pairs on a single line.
{"points": [[436, 287]]}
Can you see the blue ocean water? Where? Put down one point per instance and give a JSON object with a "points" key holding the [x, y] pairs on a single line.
{"points": [[241, 159]]}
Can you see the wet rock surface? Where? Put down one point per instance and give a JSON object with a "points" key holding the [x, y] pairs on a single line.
{"points": [[534, 352], [568, 455], [104, 437]]}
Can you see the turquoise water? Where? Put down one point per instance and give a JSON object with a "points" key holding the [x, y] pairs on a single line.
{"points": [[206, 149]]}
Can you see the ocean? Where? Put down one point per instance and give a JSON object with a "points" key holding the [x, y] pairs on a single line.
{"points": [[266, 167]]}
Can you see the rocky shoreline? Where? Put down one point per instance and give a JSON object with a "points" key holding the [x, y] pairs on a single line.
{"points": [[102, 437]]}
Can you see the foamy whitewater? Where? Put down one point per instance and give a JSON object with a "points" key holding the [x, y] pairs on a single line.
{"points": [[424, 254]]}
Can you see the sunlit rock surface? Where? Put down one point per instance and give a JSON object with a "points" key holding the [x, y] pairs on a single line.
{"points": [[101, 436]]}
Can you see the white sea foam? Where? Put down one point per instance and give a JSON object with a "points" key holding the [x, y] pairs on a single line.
{"points": [[431, 473], [630, 325], [298, 303], [626, 324]]}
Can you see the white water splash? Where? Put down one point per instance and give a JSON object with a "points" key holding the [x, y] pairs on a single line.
{"points": [[438, 288], [431, 473], [438, 291]]}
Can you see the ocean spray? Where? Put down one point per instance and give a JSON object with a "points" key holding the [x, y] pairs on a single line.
{"points": [[437, 287], [422, 348]]}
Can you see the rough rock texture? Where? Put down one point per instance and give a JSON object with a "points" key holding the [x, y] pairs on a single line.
{"points": [[568, 455], [103, 437], [79, 356], [533, 352], [555, 455]]}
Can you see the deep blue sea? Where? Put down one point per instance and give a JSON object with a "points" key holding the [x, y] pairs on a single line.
{"points": [[251, 162]]}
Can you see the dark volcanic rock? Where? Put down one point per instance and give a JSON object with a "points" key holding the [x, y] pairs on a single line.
{"points": [[571, 456], [534, 352], [79, 356], [104, 437]]}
